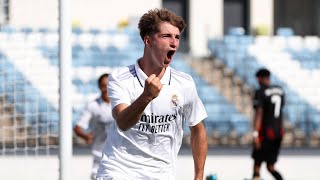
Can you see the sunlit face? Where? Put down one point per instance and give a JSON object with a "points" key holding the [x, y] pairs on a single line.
{"points": [[103, 87], [164, 44]]}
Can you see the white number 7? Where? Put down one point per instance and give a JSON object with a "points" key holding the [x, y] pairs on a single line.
{"points": [[276, 100]]}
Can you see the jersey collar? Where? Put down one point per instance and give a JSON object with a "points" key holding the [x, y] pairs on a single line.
{"points": [[166, 78]]}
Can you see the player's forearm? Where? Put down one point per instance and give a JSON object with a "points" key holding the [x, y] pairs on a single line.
{"points": [[199, 150], [258, 119], [130, 115], [79, 132]]}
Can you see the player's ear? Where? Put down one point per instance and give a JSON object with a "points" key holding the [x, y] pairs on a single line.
{"points": [[147, 41]]}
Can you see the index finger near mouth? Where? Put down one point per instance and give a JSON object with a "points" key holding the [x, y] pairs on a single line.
{"points": [[150, 78]]}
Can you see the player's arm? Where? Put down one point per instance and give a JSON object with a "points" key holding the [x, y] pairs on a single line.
{"points": [[88, 137], [127, 116], [199, 147], [83, 123], [257, 121]]}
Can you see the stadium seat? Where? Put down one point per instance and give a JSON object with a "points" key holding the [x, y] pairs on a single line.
{"points": [[94, 31], [285, 31], [26, 30], [240, 124], [236, 31], [7, 29], [77, 31]]}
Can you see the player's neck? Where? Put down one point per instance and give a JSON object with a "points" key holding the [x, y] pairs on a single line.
{"points": [[105, 99], [148, 68]]}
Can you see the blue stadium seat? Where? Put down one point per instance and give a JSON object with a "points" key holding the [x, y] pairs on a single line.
{"points": [[285, 31], [26, 30], [7, 29], [240, 124], [313, 117], [236, 31], [77, 30], [217, 122], [94, 31]]}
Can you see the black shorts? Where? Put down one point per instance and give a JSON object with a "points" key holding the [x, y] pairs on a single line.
{"points": [[268, 152]]}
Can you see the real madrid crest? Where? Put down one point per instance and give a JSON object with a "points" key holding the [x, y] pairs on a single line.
{"points": [[174, 100]]}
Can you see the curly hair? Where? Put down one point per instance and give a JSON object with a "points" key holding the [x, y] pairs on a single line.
{"points": [[148, 24]]}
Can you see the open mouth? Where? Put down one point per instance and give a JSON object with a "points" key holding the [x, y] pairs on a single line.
{"points": [[170, 54]]}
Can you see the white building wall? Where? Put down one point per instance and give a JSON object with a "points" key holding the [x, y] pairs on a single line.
{"points": [[205, 16], [34, 13], [261, 14], [107, 13], [94, 13], [206, 21]]}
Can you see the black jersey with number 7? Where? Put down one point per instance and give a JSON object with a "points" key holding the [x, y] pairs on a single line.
{"points": [[271, 100]]}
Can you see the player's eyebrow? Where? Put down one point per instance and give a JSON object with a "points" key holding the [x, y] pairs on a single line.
{"points": [[168, 34]]}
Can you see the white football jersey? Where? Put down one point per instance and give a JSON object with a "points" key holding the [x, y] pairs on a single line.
{"points": [[149, 149], [97, 116]]}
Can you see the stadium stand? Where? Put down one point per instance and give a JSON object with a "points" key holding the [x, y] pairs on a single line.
{"points": [[29, 121], [294, 62], [94, 52], [237, 57], [225, 124]]}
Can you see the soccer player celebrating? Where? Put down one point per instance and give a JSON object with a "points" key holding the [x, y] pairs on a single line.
{"points": [[268, 126], [151, 102]]}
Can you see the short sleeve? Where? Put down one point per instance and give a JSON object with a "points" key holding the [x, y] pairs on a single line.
{"points": [[194, 109], [117, 92], [258, 99], [85, 118]]}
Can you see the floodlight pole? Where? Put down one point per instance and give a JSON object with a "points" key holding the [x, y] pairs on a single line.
{"points": [[65, 138]]}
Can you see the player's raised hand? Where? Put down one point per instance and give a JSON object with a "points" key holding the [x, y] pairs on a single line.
{"points": [[152, 86]]}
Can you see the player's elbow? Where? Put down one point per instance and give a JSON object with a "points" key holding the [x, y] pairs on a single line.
{"points": [[77, 130], [122, 126]]}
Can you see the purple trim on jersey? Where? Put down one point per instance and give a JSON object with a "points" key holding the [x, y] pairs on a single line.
{"points": [[132, 70], [99, 100], [128, 74]]}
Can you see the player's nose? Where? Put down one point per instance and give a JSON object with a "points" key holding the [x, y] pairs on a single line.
{"points": [[174, 43]]}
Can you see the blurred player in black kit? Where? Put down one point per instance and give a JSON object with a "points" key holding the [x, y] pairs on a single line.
{"points": [[268, 126]]}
